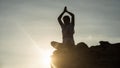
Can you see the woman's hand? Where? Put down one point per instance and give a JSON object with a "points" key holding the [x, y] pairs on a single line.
{"points": [[65, 9]]}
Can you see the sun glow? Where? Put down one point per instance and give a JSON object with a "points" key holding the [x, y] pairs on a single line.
{"points": [[46, 60]]}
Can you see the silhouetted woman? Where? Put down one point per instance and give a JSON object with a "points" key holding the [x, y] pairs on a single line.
{"points": [[67, 24]]}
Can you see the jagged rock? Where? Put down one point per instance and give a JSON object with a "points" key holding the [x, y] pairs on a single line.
{"points": [[81, 45]]}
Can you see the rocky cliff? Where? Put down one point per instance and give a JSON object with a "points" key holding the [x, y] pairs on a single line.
{"points": [[105, 55]]}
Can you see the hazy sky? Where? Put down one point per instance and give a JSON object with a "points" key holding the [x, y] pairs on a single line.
{"points": [[28, 26]]}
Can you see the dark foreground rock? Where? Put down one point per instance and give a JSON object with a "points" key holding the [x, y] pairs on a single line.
{"points": [[105, 55]]}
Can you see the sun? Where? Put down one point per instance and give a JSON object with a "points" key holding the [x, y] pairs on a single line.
{"points": [[46, 60]]}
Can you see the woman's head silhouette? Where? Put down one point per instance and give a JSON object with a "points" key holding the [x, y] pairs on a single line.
{"points": [[66, 20]]}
